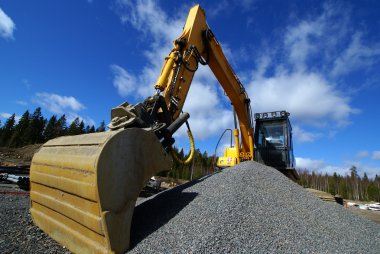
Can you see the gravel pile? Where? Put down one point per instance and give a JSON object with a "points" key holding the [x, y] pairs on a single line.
{"points": [[249, 208], [17, 232]]}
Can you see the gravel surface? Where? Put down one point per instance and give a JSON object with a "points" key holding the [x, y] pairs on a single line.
{"points": [[17, 232], [249, 208]]}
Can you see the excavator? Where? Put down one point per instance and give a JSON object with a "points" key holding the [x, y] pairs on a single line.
{"points": [[273, 144], [84, 188]]}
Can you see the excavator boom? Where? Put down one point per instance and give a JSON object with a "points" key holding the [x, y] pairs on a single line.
{"points": [[197, 44]]}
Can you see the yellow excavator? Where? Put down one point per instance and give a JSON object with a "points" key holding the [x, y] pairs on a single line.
{"points": [[84, 188]]}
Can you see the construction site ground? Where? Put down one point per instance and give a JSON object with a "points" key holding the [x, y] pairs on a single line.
{"points": [[250, 208], [18, 157], [19, 235], [368, 214]]}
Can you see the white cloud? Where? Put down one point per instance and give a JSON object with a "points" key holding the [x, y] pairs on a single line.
{"points": [[148, 17], [294, 73], [369, 169], [220, 7], [356, 56], [340, 170], [310, 164], [308, 42], [304, 136], [7, 26], [5, 115], [376, 155], [297, 40], [320, 166], [57, 103], [124, 82], [308, 37], [207, 116], [362, 154], [307, 96]]}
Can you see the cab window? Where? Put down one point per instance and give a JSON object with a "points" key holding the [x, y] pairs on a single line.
{"points": [[271, 135]]}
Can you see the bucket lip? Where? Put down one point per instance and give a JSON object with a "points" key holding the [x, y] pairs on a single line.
{"points": [[96, 138]]}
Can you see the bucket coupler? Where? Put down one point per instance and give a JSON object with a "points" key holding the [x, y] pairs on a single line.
{"points": [[152, 114]]}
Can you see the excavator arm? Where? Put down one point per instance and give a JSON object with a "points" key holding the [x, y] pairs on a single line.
{"points": [[198, 45], [84, 188]]}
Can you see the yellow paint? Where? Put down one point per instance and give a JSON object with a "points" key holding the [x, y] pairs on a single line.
{"points": [[192, 34], [83, 196], [83, 188]]}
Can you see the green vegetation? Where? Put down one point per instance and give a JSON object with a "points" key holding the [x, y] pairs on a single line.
{"points": [[201, 165], [35, 129], [351, 187]]}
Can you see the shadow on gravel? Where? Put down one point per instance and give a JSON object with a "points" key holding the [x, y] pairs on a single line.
{"points": [[156, 212]]}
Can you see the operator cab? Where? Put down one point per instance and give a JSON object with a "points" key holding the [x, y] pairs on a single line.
{"points": [[273, 142]]}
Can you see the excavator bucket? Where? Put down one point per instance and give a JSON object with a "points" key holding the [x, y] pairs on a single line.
{"points": [[84, 188]]}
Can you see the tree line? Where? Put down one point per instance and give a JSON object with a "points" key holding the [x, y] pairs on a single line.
{"points": [[35, 129], [201, 165], [353, 186], [350, 186]]}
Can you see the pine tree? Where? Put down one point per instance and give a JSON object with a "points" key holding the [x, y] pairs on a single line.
{"points": [[19, 138], [81, 129], [7, 130], [365, 184], [61, 126], [92, 129], [34, 133], [87, 129], [102, 127], [51, 130], [354, 183], [74, 127]]}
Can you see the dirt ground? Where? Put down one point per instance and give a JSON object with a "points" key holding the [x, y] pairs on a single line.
{"points": [[18, 157], [368, 214]]}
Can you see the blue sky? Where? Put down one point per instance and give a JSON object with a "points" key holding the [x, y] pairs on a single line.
{"points": [[319, 60]]}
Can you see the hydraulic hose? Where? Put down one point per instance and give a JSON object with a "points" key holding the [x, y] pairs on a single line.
{"points": [[192, 150]]}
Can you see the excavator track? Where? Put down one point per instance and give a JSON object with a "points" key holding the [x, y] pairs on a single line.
{"points": [[84, 188]]}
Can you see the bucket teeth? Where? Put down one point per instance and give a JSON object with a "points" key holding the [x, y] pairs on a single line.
{"points": [[84, 188]]}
